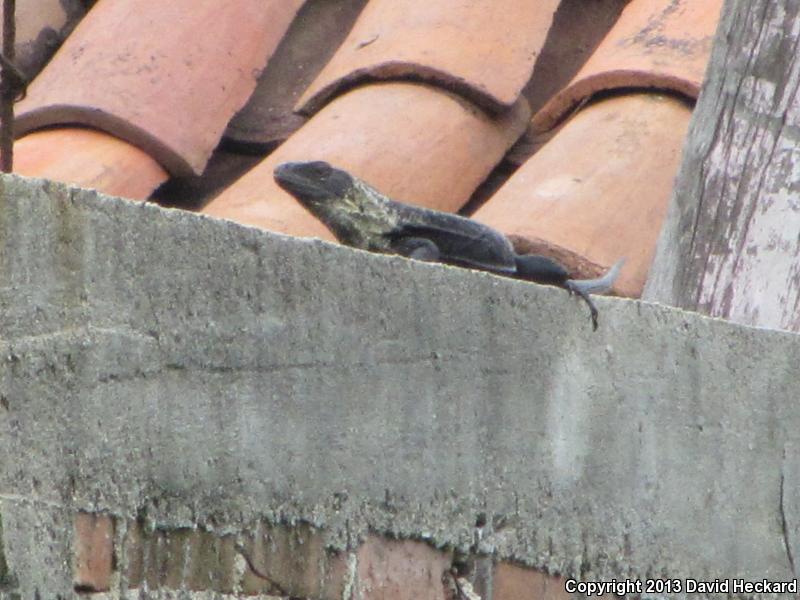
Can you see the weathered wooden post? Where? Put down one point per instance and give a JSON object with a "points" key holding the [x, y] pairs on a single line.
{"points": [[731, 243]]}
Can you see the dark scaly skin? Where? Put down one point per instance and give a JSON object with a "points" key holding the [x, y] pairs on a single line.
{"points": [[361, 217]]}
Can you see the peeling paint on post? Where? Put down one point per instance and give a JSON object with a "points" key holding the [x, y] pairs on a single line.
{"points": [[730, 247]]}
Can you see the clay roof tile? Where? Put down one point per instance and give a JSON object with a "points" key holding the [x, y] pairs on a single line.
{"points": [[484, 50], [655, 44], [599, 189], [165, 76], [268, 117]]}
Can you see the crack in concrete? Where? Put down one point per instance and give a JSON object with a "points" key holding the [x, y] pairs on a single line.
{"points": [[784, 526]]}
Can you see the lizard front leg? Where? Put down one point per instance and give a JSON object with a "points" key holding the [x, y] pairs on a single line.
{"points": [[417, 248]]}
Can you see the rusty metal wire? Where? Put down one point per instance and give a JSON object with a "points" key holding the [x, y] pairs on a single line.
{"points": [[11, 85]]}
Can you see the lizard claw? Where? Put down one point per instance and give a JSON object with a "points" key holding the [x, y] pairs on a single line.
{"points": [[584, 287], [584, 295]]}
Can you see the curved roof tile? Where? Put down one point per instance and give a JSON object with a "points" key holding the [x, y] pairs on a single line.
{"points": [[662, 44], [484, 50], [165, 76]]}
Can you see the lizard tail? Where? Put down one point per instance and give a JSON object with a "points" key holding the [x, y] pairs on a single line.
{"points": [[596, 286], [584, 287]]}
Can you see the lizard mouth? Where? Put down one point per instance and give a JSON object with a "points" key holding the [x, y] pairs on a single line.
{"points": [[312, 182]]}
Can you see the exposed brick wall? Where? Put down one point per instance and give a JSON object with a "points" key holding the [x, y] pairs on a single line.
{"points": [[293, 560], [284, 561], [93, 550], [191, 559], [511, 582]]}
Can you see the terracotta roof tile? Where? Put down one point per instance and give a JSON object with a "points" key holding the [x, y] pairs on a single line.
{"points": [[661, 44], [485, 50], [434, 154], [268, 117], [578, 28], [165, 76], [90, 159], [599, 190]]}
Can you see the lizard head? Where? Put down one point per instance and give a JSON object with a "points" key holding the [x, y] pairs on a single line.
{"points": [[313, 183], [357, 214]]}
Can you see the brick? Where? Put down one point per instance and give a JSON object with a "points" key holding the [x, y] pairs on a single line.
{"points": [[133, 554], [400, 570], [93, 547], [294, 561], [254, 552], [226, 555], [253, 584], [172, 557], [211, 562], [179, 558], [152, 543], [512, 582]]}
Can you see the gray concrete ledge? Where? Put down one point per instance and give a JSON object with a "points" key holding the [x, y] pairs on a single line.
{"points": [[161, 363]]}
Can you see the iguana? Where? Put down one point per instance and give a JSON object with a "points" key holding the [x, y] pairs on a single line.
{"points": [[361, 217]]}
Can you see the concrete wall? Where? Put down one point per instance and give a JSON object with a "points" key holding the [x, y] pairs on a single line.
{"points": [[158, 363]]}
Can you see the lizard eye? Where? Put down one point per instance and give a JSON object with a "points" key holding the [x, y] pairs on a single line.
{"points": [[337, 182]]}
